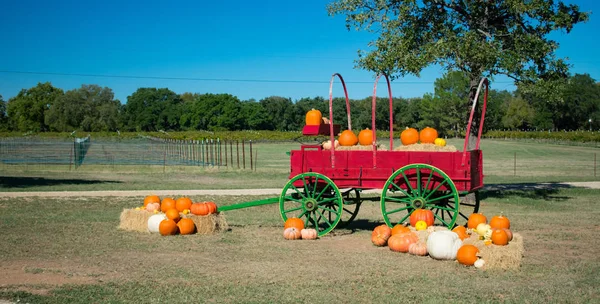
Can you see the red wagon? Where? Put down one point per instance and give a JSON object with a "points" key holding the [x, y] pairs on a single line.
{"points": [[327, 187]]}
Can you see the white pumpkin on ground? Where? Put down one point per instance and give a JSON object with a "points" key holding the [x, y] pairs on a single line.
{"points": [[443, 245], [154, 222]]}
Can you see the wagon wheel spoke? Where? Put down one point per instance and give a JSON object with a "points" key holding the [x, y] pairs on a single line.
{"points": [[425, 186], [320, 207], [469, 204]]}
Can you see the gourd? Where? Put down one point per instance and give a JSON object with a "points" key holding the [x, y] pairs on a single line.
{"points": [[152, 206], [173, 215], [199, 209], [401, 242], [439, 142], [482, 229], [183, 203], [509, 234], [313, 117], [186, 226], [409, 136], [461, 231], [500, 221], [419, 249], [399, 228], [294, 222], [420, 225], [167, 227], [476, 219], [479, 263], [347, 138], [291, 233], [154, 222], [499, 237], [365, 137], [327, 144], [443, 245], [151, 199], [421, 215], [308, 234], [467, 254], [166, 204], [428, 135], [380, 235]]}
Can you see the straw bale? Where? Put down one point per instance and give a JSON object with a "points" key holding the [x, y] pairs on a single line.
{"points": [[137, 220], [380, 147], [506, 257], [426, 148]]}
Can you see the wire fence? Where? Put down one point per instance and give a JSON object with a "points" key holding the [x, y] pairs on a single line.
{"points": [[145, 151]]}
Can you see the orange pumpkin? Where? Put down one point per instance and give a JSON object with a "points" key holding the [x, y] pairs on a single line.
{"points": [[401, 242], [399, 228], [467, 255], [347, 138], [183, 203], [499, 237], [422, 215], [313, 117], [167, 203], [212, 207], [500, 221], [409, 136], [294, 222], [173, 215], [186, 226], [365, 137], [428, 135], [476, 219], [461, 231], [380, 235], [151, 199], [199, 209], [309, 234], [419, 249], [167, 227]]}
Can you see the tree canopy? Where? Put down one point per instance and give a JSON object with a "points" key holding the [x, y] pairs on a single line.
{"points": [[476, 37]]}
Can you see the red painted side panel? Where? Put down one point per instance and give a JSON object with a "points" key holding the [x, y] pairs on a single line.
{"points": [[368, 170]]}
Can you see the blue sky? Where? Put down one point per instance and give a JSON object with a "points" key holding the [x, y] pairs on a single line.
{"points": [[292, 41]]}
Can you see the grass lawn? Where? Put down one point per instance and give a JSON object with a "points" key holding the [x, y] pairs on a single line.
{"points": [[69, 250]]}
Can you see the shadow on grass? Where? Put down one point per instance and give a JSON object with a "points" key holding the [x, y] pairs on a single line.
{"points": [[25, 182], [544, 191]]}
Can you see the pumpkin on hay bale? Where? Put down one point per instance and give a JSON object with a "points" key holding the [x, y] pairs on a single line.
{"points": [[507, 257], [427, 148], [380, 147], [137, 220]]}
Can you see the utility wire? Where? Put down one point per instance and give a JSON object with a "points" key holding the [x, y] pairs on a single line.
{"points": [[206, 79]]}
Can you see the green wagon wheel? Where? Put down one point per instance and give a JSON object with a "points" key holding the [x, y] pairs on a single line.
{"points": [[469, 204], [419, 186], [351, 206], [317, 201]]}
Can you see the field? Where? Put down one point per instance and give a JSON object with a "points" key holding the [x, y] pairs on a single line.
{"points": [[68, 250]]}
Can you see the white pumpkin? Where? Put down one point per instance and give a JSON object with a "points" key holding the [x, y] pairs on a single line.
{"points": [[154, 221], [479, 263], [327, 144], [443, 245]]}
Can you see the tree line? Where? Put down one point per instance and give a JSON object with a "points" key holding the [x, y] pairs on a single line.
{"points": [[92, 108]]}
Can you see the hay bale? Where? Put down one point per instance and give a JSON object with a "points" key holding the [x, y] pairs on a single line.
{"points": [[207, 224], [380, 147], [507, 257], [426, 148], [137, 220]]}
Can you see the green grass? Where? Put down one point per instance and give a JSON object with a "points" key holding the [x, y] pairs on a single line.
{"points": [[75, 241]]}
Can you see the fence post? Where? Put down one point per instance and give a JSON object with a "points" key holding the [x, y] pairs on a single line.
{"points": [[251, 163], [594, 164], [237, 151], [255, 159], [244, 153], [515, 164]]}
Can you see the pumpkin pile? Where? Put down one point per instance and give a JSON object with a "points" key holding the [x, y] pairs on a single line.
{"points": [[293, 229], [171, 216], [425, 140], [348, 140], [467, 245]]}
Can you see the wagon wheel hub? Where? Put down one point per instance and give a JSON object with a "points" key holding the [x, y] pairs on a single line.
{"points": [[310, 204], [418, 203]]}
